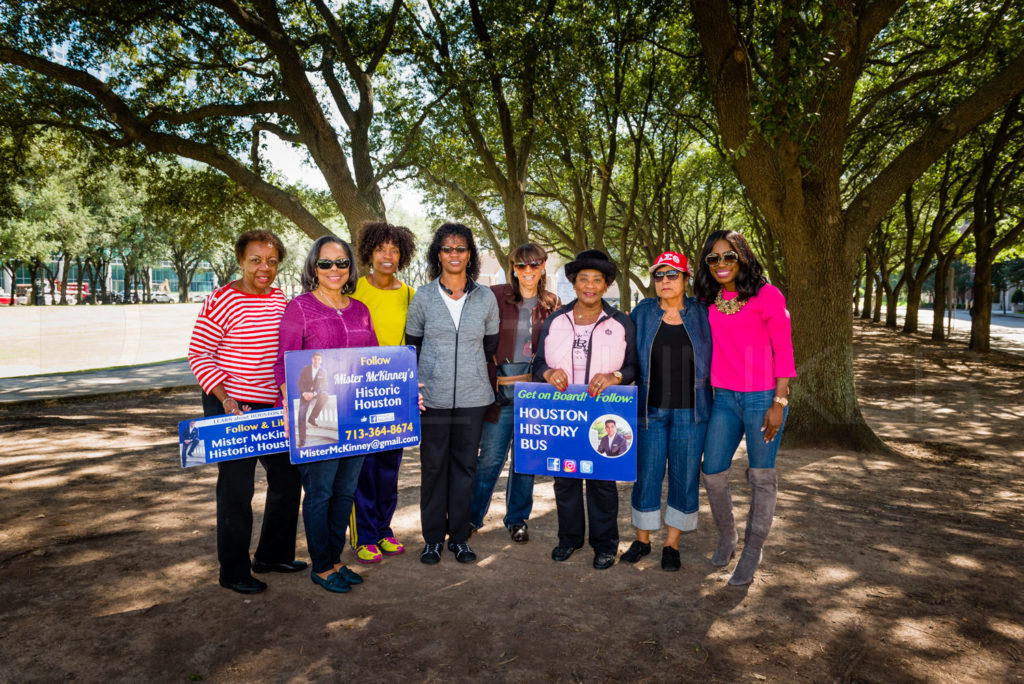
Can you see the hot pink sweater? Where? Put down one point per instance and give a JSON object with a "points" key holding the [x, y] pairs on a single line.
{"points": [[753, 346]]}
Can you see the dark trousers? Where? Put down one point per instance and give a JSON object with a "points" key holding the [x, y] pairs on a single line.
{"points": [[330, 486], [376, 498], [602, 511], [449, 439], [319, 401], [234, 507]]}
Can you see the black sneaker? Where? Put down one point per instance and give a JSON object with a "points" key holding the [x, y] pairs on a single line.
{"points": [[670, 559], [562, 552], [603, 561], [464, 554], [636, 551], [431, 554]]}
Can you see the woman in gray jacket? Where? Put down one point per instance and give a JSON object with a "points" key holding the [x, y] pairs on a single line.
{"points": [[453, 323]]}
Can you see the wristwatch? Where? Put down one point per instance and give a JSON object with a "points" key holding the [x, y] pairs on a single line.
{"points": [[618, 375], [782, 400]]}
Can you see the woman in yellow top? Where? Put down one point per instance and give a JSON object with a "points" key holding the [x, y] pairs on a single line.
{"points": [[387, 249]]}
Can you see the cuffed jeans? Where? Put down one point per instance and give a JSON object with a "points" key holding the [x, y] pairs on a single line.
{"points": [[671, 439], [733, 416], [330, 487], [235, 489], [376, 498], [495, 440], [449, 439]]}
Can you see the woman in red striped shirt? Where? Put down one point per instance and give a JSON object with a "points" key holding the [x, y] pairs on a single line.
{"points": [[232, 354]]}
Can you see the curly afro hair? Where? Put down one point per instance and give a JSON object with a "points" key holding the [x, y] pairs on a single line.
{"points": [[373, 234]]}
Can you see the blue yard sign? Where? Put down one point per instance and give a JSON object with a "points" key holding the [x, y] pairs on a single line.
{"points": [[351, 402], [572, 434], [230, 437]]}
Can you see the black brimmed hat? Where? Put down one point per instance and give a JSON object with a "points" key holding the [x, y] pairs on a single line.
{"points": [[595, 259]]}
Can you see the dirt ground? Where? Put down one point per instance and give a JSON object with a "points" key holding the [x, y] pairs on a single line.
{"points": [[880, 568]]}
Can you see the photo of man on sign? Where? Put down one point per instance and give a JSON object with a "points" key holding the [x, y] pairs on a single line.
{"points": [[313, 390], [609, 438]]}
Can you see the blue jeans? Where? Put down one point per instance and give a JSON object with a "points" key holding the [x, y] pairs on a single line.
{"points": [[330, 487], [733, 415], [671, 439], [494, 444]]}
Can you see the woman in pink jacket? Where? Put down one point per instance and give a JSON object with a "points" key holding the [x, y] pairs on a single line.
{"points": [[587, 342], [751, 364]]}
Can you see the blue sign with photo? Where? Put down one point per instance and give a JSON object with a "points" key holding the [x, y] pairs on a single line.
{"points": [[572, 434], [230, 437], [351, 402]]}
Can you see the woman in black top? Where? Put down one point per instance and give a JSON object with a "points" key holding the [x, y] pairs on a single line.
{"points": [[674, 400]]}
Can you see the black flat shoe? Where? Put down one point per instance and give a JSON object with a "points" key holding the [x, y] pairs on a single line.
{"points": [[250, 585], [636, 551], [562, 552], [670, 559], [519, 534], [291, 566], [603, 561]]}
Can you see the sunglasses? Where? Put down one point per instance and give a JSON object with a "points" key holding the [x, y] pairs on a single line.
{"points": [[726, 259], [531, 264], [671, 275], [325, 264], [461, 249]]}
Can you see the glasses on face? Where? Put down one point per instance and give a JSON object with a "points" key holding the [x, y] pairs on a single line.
{"points": [[256, 262], [325, 264], [726, 259], [671, 274], [461, 249], [523, 265]]}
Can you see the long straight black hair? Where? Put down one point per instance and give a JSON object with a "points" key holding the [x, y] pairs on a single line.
{"points": [[749, 279]]}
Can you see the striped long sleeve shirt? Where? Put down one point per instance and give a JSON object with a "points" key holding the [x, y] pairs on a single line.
{"points": [[235, 342]]}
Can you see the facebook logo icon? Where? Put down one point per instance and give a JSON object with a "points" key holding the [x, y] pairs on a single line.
{"points": [[555, 464]]}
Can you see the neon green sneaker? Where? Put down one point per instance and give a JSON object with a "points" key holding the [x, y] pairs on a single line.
{"points": [[391, 546], [368, 553]]}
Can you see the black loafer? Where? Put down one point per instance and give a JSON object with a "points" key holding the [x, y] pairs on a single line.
{"points": [[670, 559], [636, 551], [250, 585], [348, 575], [562, 552], [519, 534], [291, 566], [603, 561]]}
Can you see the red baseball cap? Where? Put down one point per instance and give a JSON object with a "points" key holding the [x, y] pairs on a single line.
{"points": [[673, 259]]}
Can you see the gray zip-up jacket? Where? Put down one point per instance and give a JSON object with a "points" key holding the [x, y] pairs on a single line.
{"points": [[453, 362]]}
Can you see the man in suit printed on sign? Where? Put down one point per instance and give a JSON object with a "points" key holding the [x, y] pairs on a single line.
{"points": [[612, 444], [312, 388]]}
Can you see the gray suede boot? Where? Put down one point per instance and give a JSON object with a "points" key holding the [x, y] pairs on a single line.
{"points": [[764, 490], [717, 487]]}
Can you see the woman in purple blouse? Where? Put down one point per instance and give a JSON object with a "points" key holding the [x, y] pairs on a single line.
{"points": [[325, 317]]}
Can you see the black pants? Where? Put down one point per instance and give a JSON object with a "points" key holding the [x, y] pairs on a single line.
{"points": [[234, 507], [449, 440], [602, 511]]}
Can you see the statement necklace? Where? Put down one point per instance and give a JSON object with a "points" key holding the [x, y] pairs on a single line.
{"points": [[728, 307]]}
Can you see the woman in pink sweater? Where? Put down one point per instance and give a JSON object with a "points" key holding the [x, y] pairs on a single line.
{"points": [[751, 364]]}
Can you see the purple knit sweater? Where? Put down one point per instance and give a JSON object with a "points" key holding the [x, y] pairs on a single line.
{"points": [[310, 324]]}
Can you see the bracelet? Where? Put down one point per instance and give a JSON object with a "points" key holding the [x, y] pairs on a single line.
{"points": [[229, 399]]}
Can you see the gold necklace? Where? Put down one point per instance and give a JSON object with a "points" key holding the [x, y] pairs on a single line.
{"points": [[728, 307]]}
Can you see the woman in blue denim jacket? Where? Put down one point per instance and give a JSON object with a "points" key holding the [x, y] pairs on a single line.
{"points": [[673, 341]]}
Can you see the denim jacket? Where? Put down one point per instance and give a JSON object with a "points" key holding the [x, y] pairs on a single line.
{"points": [[647, 318]]}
